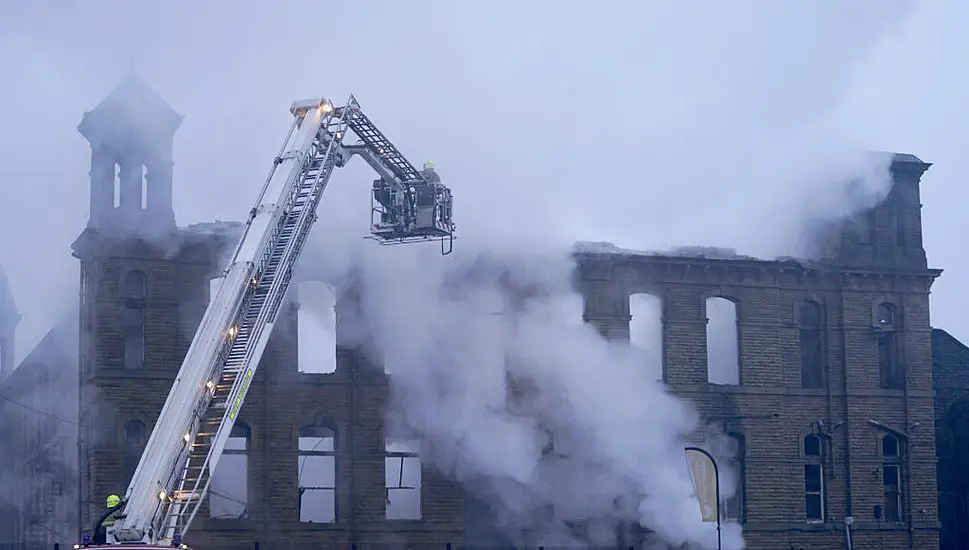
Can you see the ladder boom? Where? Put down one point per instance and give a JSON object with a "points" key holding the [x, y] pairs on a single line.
{"points": [[187, 441]]}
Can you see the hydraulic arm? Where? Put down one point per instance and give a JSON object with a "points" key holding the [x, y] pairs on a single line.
{"points": [[175, 470]]}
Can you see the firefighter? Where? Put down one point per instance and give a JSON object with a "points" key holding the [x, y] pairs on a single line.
{"points": [[429, 174], [113, 502], [101, 536]]}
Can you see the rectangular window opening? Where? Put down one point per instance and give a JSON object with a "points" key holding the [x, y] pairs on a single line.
{"points": [[403, 480], [893, 493], [317, 479], [229, 487], [814, 493]]}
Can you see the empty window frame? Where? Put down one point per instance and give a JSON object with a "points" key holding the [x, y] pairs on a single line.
{"points": [[814, 487], [403, 479], [229, 487], [316, 465]]}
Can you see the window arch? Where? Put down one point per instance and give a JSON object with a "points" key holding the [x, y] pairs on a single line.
{"points": [[815, 502], [133, 329], [133, 445], [316, 463], [723, 341], [810, 332], [890, 449], [229, 487], [891, 370]]}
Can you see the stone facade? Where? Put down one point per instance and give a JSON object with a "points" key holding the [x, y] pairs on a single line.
{"points": [[831, 413], [771, 413]]}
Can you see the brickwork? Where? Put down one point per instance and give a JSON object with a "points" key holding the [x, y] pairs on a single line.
{"points": [[281, 401], [771, 409]]}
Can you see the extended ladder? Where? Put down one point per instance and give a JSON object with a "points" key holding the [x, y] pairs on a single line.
{"points": [[173, 476]]}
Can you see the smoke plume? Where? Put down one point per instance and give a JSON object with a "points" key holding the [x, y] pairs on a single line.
{"points": [[593, 439]]}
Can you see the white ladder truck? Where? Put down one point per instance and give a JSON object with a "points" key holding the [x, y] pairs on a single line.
{"points": [[173, 475]]}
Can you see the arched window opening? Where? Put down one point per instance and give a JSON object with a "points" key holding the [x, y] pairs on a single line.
{"points": [[891, 370], [117, 186], [892, 477], [809, 328], [887, 315], [316, 328], [734, 508], [403, 479], [646, 330], [723, 342], [229, 487], [814, 482], [143, 187], [133, 446], [317, 474]]}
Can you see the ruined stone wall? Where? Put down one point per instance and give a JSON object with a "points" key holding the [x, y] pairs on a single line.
{"points": [[771, 413]]}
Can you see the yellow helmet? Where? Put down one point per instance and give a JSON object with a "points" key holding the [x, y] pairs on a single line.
{"points": [[428, 165], [113, 500]]}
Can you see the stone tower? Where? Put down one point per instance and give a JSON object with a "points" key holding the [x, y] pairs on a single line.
{"points": [[144, 286], [9, 318], [131, 134]]}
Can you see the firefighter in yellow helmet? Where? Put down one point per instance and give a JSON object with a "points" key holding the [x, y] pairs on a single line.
{"points": [[100, 536], [429, 174]]}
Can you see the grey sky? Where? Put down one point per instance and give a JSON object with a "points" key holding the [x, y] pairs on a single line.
{"points": [[643, 123]]}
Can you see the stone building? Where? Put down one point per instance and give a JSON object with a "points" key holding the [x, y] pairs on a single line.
{"points": [[820, 372]]}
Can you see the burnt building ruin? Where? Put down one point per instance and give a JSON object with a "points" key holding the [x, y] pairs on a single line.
{"points": [[820, 372]]}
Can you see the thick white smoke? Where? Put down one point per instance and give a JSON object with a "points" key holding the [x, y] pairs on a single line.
{"points": [[449, 331]]}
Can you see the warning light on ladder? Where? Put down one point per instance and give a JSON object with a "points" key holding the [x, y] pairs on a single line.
{"points": [[210, 384], [187, 438], [233, 331]]}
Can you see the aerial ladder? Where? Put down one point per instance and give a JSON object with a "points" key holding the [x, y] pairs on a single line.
{"points": [[407, 205]]}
